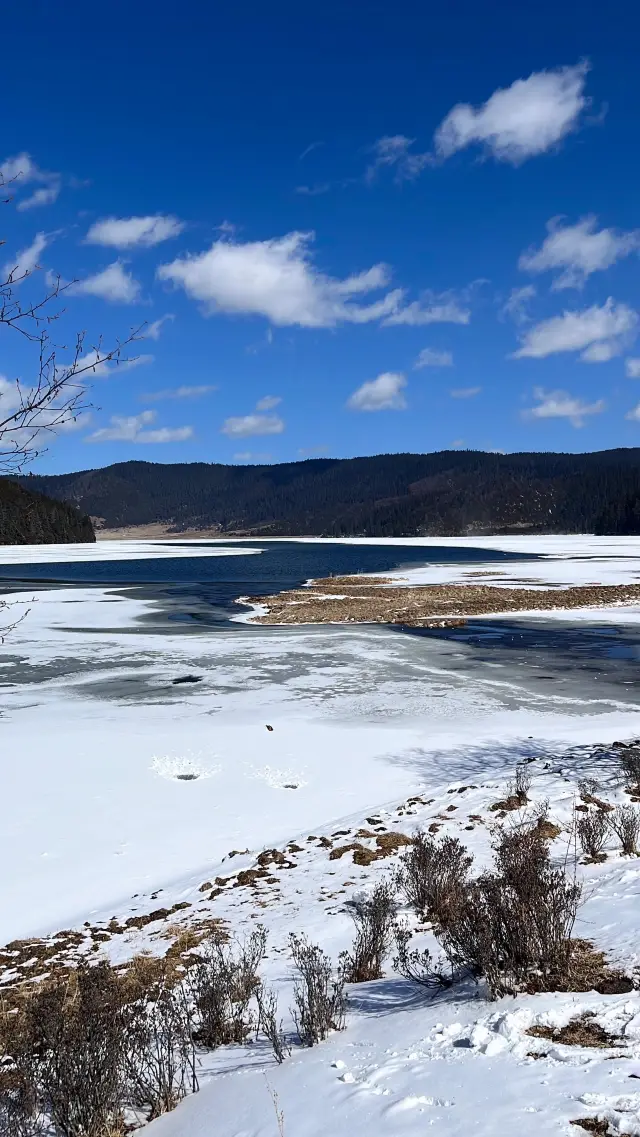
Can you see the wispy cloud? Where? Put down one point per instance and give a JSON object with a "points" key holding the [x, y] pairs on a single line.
{"points": [[518, 122], [133, 428], [560, 404], [268, 403], [184, 392], [516, 306], [430, 357], [20, 171], [114, 284], [632, 368], [394, 152], [382, 394], [578, 250], [464, 392], [308, 149], [315, 190], [430, 309], [27, 260], [244, 426], [134, 232], [153, 330], [598, 333], [251, 458]]}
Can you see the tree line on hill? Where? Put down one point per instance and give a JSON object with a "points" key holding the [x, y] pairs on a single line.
{"points": [[30, 518], [450, 493]]}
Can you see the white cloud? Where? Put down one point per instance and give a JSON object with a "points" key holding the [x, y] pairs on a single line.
{"points": [[634, 414], [268, 403], [632, 368], [152, 331], [114, 283], [381, 394], [185, 392], [277, 279], [429, 357], [516, 305], [517, 122], [432, 309], [26, 260], [109, 367], [464, 392], [243, 426], [395, 151], [560, 404], [132, 429], [46, 195], [608, 328], [251, 456], [579, 250], [20, 171], [134, 232]]}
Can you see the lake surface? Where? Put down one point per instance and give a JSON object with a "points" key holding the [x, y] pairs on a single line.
{"points": [[203, 590]]}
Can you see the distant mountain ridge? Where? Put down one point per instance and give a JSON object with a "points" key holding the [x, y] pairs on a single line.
{"points": [[29, 518], [449, 493]]}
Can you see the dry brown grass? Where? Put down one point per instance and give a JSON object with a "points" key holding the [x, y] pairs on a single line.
{"points": [[589, 971], [373, 600], [386, 845], [581, 1031], [595, 1125]]}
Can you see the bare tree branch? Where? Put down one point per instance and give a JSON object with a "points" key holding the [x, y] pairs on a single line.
{"points": [[31, 411]]}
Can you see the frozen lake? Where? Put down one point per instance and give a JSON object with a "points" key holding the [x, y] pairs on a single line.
{"points": [[97, 735]]}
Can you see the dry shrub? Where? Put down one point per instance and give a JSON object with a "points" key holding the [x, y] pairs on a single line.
{"points": [[630, 767], [68, 1048], [517, 791], [223, 981], [269, 1024], [513, 926], [433, 874], [625, 823], [418, 966], [592, 831], [159, 1057], [373, 917], [318, 994]]}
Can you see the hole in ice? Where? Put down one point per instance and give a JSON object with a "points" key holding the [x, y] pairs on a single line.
{"points": [[183, 767]]}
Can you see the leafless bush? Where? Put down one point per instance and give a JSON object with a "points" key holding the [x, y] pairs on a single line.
{"points": [[71, 1043], [373, 917], [432, 875], [514, 924], [630, 766], [269, 1024], [223, 983], [160, 1061], [592, 832], [625, 823], [418, 966], [318, 994], [587, 787], [20, 1110], [521, 784]]}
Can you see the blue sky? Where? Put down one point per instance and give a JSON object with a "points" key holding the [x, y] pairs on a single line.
{"points": [[350, 227]]}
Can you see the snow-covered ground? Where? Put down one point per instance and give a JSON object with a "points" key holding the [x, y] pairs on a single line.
{"points": [[98, 821]]}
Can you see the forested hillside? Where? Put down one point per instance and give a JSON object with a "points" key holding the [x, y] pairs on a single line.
{"points": [[447, 493], [29, 518]]}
